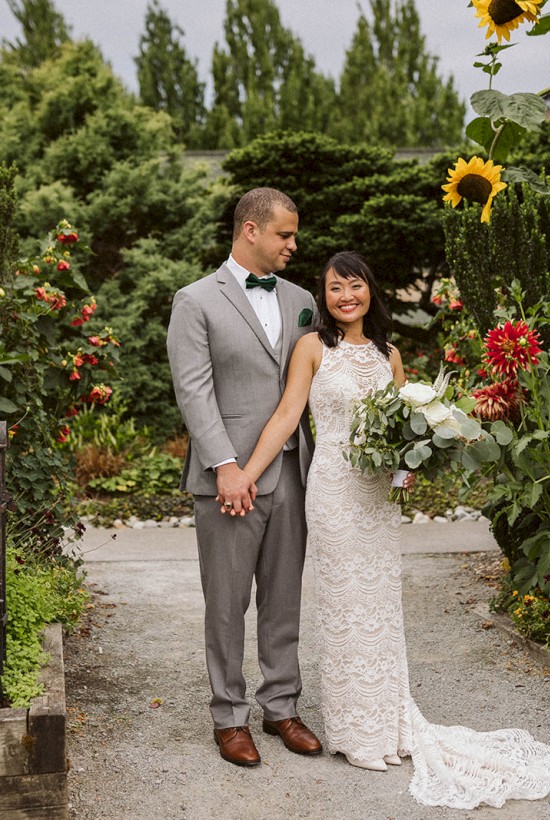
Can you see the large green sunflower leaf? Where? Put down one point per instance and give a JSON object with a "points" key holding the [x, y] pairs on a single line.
{"points": [[515, 174], [542, 27], [481, 130], [528, 110]]}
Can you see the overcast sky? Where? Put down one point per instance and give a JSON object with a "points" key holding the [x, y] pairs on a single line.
{"points": [[325, 28]]}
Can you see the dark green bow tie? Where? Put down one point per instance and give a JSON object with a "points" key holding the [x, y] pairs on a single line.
{"points": [[268, 283]]}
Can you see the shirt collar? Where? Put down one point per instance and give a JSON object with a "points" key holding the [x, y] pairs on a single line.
{"points": [[239, 272]]}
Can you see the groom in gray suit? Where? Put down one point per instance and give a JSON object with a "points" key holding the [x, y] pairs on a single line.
{"points": [[230, 339]]}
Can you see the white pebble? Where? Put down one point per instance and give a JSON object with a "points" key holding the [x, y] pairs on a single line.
{"points": [[421, 518]]}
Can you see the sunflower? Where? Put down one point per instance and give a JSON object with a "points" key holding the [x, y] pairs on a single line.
{"points": [[503, 16], [477, 181], [512, 346]]}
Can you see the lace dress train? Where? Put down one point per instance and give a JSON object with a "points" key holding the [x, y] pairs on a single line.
{"points": [[367, 707]]}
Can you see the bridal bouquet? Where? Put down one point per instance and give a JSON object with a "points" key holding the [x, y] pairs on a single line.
{"points": [[417, 427]]}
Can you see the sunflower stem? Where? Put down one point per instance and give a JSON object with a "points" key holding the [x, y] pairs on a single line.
{"points": [[496, 138]]}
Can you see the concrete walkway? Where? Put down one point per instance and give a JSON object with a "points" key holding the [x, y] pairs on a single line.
{"points": [[179, 544], [144, 643]]}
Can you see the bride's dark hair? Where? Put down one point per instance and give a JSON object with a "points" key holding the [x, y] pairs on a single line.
{"points": [[377, 323]]}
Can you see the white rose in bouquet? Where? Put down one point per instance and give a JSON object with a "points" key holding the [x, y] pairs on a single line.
{"points": [[417, 395], [435, 413]]}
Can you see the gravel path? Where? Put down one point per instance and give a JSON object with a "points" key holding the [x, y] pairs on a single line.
{"points": [[144, 641]]}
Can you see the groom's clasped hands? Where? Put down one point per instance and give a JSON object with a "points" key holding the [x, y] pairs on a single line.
{"points": [[236, 491]]}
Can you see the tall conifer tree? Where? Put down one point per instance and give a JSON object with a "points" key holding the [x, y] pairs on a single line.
{"points": [[263, 80], [43, 29], [390, 90], [168, 79]]}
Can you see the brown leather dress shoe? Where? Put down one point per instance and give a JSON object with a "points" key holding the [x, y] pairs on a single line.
{"points": [[236, 746], [295, 735]]}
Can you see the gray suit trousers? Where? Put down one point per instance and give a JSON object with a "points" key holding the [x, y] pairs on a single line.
{"points": [[267, 545]]}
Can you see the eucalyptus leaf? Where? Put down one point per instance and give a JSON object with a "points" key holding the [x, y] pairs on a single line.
{"points": [[407, 431], [413, 459], [418, 423], [5, 374], [486, 450], [469, 460], [442, 443], [502, 432], [470, 428], [445, 432], [466, 404]]}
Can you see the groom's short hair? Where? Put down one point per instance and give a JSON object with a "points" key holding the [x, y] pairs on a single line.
{"points": [[257, 206]]}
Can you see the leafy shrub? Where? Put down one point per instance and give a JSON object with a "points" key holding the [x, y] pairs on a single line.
{"points": [[38, 593], [51, 365], [443, 493], [110, 428], [529, 611], [154, 474], [102, 513]]}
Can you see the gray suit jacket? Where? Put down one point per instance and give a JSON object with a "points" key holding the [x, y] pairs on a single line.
{"points": [[227, 378]]}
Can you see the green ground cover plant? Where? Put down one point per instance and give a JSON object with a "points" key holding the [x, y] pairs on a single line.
{"points": [[38, 593]]}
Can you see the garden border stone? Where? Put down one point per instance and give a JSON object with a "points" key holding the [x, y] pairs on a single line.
{"points": [[505, 625], [33, 759]]}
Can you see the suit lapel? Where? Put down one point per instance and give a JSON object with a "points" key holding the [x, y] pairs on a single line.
{"points": [[234, 292], [285, 305]]}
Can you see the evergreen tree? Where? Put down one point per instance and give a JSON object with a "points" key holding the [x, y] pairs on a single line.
{"points": [[390, 91], [263, 80], [43, 28], [168, 80]]}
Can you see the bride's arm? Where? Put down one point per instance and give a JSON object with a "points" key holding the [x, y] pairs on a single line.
{"points": [[397, 367], [400, 379], [304, 363]]}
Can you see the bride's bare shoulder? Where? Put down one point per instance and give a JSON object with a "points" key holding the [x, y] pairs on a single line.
{"points": [[310, 347]]}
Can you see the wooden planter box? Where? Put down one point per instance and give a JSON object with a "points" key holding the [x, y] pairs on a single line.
{"points": [[33, 762]]}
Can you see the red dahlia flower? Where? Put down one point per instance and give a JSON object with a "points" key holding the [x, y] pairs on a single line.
{"points": [[511, 347], [499, 400]]}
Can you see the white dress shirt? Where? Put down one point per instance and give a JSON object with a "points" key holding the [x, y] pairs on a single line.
{"points": [[264, 303]]}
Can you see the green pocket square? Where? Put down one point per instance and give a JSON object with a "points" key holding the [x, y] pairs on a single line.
{"points": [[305, 317]]}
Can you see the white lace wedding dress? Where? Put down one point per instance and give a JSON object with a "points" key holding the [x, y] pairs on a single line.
{"points": [[366, 703]]}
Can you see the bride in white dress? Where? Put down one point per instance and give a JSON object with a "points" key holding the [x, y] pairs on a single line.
{"points": [[369, 714]]}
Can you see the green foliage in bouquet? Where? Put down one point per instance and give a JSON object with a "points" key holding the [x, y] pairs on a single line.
{"points": [[418, 427]]}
